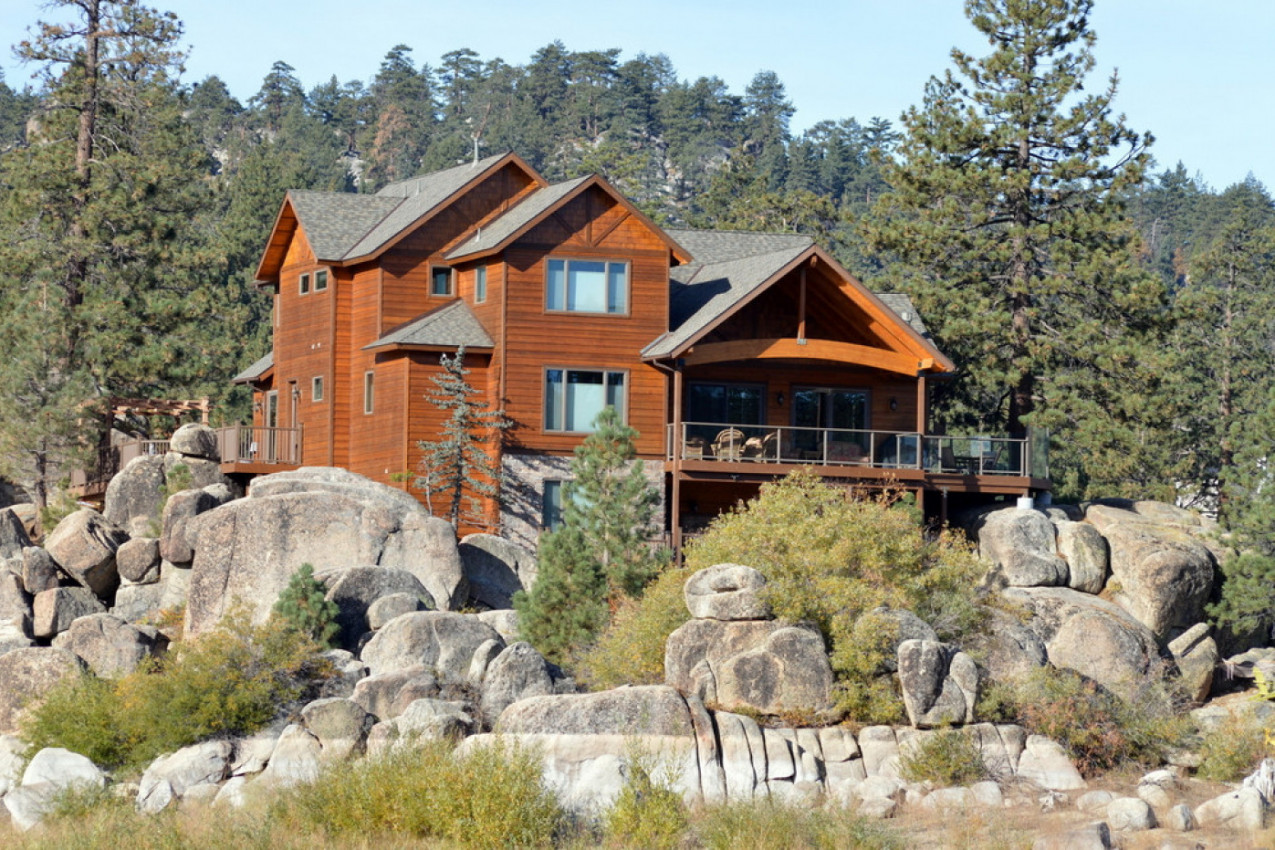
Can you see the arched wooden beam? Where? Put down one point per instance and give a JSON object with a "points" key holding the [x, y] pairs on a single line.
{"points": [[813, 349]]}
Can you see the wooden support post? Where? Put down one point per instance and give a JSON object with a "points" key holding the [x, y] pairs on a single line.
{"points": [[801, 308], [676, 446], [921, 404]]}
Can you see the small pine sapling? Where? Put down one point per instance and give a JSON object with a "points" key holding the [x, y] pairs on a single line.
{"points": [[304, 606]]}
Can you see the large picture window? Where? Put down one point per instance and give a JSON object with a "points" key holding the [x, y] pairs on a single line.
{"points": [[587, 286], [575, 397]]}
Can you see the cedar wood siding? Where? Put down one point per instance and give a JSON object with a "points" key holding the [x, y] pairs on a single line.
{"points": [[303, 348], [592, 226]]}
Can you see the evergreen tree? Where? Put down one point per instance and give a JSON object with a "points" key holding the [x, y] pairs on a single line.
{"points": [[566, 607], [104, 262], [305, 607], [458, 467], [1007, 216]]}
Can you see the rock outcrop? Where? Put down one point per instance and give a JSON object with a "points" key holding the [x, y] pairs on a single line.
{"points": [[84, 545], [495, 569]]}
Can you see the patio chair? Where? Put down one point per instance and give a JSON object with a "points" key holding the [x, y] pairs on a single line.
{"points": [[693, 448], [729, 444]]}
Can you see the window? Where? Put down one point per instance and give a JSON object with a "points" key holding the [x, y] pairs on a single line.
{"points": [[368, 398], [575, 397], [551, 506], [305, 283], [727, 404], [440, 280], [316, 389], [480, 284], [587, 286], [321, 280]]}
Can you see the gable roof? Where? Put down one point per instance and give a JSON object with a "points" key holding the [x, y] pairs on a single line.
{"points": [[334, 222], [731, 267], [255, 371], [449, 326], [537, 207]]}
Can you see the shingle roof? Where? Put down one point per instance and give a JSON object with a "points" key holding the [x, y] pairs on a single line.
{"points": [[514, 219], [728, 267], [450, 326], [343, 226], [902, 305], [255, 371], [335, 221]]}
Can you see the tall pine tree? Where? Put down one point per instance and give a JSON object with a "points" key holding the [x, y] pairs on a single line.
{"points": [[1008, 222]]}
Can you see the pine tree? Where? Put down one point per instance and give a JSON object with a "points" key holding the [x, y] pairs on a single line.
{"points": [[458, 467], [1007, 218], [304, 606], [566, 607]]}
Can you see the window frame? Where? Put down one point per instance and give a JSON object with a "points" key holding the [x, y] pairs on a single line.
{"points": [[369, 392], [303, 283], [567, 260], [604, 371], [451, 281], [324, 275], [548, 509], [480, 285], [316, 389]]}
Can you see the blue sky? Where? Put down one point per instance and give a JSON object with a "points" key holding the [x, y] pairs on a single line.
{"points": [[1198, 75]]}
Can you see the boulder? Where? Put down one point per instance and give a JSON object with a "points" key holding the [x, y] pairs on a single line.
{"points": [[137, 560], [199, 473], [641, 710], [496, 569], [29, 516], [391, 607], [296, 759], [1044, 763], [1130, 814], [902, 625], [15, 611], [347, 672], [28, 804], [387, 695], [12, 750], [84, 545], [504, 621], [440, 640], [1091, 636], [1010, 649], [170, 777], [1197, 657], [329, 518], [727, 592], [1094, 802], [1243, 809], [134, 495], [62, 769], [771, 667], [422, 719], [39, 570], [355, 590], [136, 602], [195, 440], [26, 675], [53, 611], [518, 672], [1020, 545], [341, 725], [939, 683], [111, 647], [181, 508], [1180, 818], [13, 536], [1093, 836], [1085, 551]]}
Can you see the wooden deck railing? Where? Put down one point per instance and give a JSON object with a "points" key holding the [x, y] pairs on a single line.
{"points": [[976, 455], [248, 444]]}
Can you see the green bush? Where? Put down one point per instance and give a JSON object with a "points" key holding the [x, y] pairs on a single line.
{"points": [[303, 605], [631, 650], [766, 825], [494, 797], [648, 813], [232, 680], [946, 757], [830, 558], [1099, 729], [1232, 750]]}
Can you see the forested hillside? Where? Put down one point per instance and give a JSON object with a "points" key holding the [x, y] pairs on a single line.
{"points": [[134, 205]]}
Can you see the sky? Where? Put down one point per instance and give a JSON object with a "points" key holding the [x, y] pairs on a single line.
{"points": [[1198, 75]]}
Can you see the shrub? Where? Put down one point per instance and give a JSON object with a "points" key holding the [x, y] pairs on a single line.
{"points": [[303, 605], [765, 824], [1232, 750], [567, 605], [1098, 728], [493, 797], [648, 813], [945, 757], [230, 681], [631, 650]]}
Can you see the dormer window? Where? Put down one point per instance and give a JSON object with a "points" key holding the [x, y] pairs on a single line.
{"points": [[587, 286]]}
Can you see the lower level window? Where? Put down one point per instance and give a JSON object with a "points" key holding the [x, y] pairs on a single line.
{"points": [[551, 506], [575, 397]]}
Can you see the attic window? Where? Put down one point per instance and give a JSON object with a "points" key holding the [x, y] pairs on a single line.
{"points": [[440, 280], [304, 287], [321, 280]]}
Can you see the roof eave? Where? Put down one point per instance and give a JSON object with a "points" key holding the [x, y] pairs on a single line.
{"points": [[414, 346]]}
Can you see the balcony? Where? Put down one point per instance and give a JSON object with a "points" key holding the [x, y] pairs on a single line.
{"points": [[872, 454]]}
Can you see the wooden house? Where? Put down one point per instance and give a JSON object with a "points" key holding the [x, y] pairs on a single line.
{"points": [[737, 356]]}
